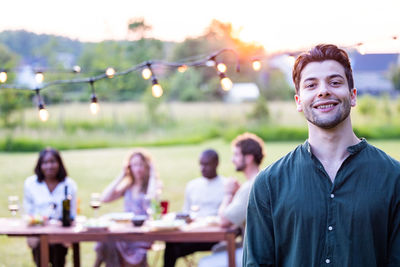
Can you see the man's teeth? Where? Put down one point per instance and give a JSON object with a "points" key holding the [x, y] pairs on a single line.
{"points": [[325, 106]]}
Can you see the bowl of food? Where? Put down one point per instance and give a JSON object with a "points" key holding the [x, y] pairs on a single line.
{"points": [[138, 220]]}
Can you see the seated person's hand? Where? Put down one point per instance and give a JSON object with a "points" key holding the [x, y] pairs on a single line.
{"points": [[231, 186]]}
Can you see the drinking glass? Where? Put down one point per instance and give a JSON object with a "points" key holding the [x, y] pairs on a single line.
{"points": [[95, 202], [53, 213], [148, 207], [13, 205]]}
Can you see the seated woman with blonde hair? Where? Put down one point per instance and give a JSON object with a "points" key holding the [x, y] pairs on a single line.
{"points": [[137, 184]]}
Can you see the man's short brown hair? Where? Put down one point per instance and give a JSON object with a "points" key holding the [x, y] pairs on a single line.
{"points": [[321, 53]]}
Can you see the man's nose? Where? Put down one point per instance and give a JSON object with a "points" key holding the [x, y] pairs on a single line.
{"points": [[323, 90]]}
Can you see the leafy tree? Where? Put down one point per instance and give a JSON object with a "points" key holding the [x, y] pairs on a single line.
{"points": [[395, 77], [27, 44], [274, 86], [186, 86], [138, 28], [260, 110], [217, 36]]}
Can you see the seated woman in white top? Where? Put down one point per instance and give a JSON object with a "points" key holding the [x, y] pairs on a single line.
{"points": [[43, 195], [136, 184]]}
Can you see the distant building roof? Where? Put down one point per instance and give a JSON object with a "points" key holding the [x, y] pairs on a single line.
{"points": [[243, 92], [373, 62], [370, 72]]}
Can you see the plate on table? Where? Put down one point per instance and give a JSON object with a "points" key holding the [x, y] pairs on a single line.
{"points": [[123, 217], [164, 225], [96, 225]]}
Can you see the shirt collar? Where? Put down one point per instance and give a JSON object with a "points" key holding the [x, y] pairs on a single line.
{"points": [[357, 147], [351, 149]]}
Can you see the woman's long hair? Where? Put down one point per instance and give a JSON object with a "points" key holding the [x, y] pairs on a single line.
{"points": [[146, 158], [62, 172]]}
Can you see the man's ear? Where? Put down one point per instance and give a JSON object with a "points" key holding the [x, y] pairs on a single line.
{"points": [[298, 102], [248, 158], [353, 97]]}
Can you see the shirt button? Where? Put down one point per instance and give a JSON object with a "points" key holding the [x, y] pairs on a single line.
{"points": [[330, 228], [328, 261], [332, 195]]}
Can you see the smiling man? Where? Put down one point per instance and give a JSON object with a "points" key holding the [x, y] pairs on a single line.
{"points": [[334, 200]]}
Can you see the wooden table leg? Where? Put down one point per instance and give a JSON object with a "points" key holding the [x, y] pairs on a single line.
{"points": [[230, 238], [44, 251], [76, 254]]}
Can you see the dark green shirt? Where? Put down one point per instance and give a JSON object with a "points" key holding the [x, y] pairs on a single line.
{"points": [[297, 217]]}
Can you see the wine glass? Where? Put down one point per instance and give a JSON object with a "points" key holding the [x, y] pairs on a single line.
{"points": [[95, 202], [194, 210], [13, 205], [148, 207], [53, 213]]}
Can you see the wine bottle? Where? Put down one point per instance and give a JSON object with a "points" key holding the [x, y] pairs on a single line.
{"points": [[66, 209]]}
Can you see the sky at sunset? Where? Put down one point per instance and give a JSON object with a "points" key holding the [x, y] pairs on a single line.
{"points": [[279, 25]]}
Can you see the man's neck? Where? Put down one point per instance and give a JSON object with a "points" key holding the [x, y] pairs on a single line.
{"points": [[251, 171], [330, 145]]}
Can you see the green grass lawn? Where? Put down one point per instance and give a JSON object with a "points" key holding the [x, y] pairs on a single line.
{"points": [[94, 169]]}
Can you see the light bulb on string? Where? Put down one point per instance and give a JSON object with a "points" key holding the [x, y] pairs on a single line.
{"points": [[156, 88], [3, 76], [110, 72], [76, 69], [210, 63], [182, 68], [39, 77], [146, 73], [43, 113], [226, 83], [256, 64], [221, 67], [94, 104], [361, 48]]}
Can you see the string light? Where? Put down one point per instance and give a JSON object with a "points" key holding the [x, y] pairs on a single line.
{"points": [[43, 113], [156, 88], [94, 105], [210, 63], [146, 73], [361, 48], [221, 67], [256, 64], [76, 69], [3, 76], [182, 68], [226, 83], [39, 76], [110, 72]]}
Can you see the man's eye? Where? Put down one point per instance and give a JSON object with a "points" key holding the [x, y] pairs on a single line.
{"points": [[311, 85], [336, 83]]}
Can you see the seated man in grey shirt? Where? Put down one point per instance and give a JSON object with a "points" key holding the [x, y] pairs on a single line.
{"points": [[248, 152], [203, 195]]}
